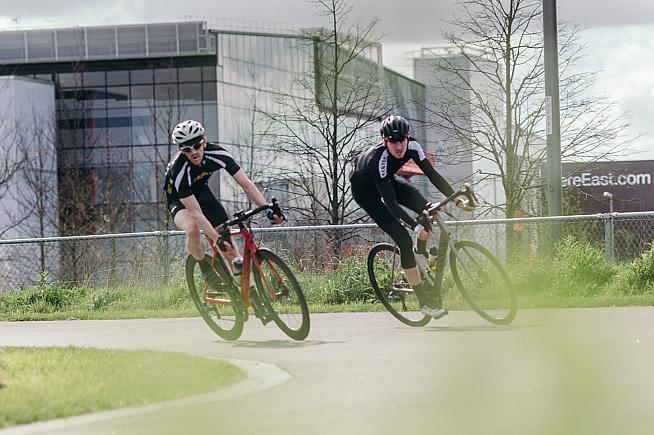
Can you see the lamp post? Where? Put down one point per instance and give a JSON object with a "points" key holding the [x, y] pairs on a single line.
{"points": [[608, 229], [552, 118]]}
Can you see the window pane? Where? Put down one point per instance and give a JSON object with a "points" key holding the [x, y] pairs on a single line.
{"points": [[117, 78], [209, 91], [69, 80], [190, 92], [118, 96], [209, 73], [47, 77], [165, 75], [94, 78], [142, 95], [165, 92], [190, 74], [141, 76]]}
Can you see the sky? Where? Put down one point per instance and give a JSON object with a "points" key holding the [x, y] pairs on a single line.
{"points": [[619, 35]]}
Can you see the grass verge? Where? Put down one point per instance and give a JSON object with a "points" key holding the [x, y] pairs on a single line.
{"points": [[47, 383]]}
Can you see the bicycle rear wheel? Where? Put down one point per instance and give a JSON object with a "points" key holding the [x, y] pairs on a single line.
{"points": [[225, 319], [391, 287], [281, 294], [483, 282]]}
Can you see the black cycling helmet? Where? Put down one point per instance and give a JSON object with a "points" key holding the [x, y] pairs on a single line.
{"points": [[394, 127]]}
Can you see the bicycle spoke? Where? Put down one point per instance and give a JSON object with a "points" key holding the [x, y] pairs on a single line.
{"points": [[483, 282], [391, 286], [282, 295], [224, 318]]}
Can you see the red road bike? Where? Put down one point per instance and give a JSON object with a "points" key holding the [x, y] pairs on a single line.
{"points": [[274, 296]]}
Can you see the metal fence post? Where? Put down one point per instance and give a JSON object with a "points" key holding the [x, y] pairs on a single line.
{"points": [[609, 254], [166, 256]]}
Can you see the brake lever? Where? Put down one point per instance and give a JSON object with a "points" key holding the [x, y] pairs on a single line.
{"points": [[470, 194], [424, 219]]}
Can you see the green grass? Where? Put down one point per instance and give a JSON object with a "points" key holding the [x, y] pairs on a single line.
{"points": [[47, 383], [577, 276]]}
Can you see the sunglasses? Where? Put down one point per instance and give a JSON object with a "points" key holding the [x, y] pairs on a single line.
{"points": [[193, 144], [188, 149]]}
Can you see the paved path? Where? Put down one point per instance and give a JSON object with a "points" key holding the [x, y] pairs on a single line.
{"points": [[575, 371]]}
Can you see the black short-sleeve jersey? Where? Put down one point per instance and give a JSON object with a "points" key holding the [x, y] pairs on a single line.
{"points": [[183, 177]]}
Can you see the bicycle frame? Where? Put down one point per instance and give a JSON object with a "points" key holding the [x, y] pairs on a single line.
{"points": [[249, 258], [435, 216]]}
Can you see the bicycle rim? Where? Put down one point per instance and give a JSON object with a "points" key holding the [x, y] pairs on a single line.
{"points": [[226, 320], [282, 295], [483, 282], [391, 287]]}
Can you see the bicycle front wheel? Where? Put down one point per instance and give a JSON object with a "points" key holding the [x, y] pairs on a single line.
{"points": [[225, 318], [483, 282], [281, 294], [392, 289]]}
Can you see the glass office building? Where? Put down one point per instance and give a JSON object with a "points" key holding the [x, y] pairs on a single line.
{"points": [[121, 89]]}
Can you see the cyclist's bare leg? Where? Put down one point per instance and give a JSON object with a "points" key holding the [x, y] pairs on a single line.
{"points": [[184, 222], [229, 251], [413, 276]]}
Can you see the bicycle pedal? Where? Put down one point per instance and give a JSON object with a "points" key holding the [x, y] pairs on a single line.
{"points": [[265, 320]]}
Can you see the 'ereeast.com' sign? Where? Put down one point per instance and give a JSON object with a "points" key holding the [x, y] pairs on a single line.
{"points": [[588, 179], [629, 182]]}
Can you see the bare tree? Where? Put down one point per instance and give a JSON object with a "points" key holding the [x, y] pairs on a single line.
{"points": [[8, 169], [10, 139], [252, 150], [491, 99], [38, 195], [328, 113], [165, 112], [77, 144]]}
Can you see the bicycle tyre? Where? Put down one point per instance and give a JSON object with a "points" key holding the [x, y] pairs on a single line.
{"points": [[475, 295], [289, 308], [395, 303], [225, 320]]}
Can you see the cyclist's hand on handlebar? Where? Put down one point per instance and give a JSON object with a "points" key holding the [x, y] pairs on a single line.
{"points": [[275, 214], [421, 232], [424, 228], [464, 204]]}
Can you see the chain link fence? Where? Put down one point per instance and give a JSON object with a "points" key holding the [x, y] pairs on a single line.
{"points": [[155, 258]]}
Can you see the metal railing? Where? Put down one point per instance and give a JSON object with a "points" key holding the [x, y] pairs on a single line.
{"points": [[156, 258]]}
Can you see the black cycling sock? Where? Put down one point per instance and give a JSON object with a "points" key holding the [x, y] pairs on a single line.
{"points": [[205, 267], [421, 293], [421, 247], [428, 295]]}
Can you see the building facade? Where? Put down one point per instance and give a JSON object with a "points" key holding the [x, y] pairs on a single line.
{"points": [[28, 177], [119, 91]]}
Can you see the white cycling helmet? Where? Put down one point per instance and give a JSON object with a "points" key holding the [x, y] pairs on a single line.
{"points": [[187, 131]]}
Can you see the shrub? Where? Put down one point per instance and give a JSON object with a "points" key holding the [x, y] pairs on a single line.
{"points": [[347, 283], [48, 297], [638, 276], [582, 268], [536, 276], [103, 298]]}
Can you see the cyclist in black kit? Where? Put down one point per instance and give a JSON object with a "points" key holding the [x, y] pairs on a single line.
{"points": [[191, 202], [377, 189]]}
